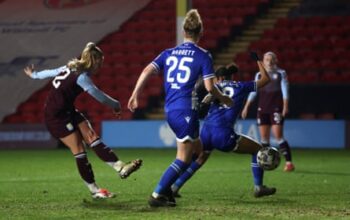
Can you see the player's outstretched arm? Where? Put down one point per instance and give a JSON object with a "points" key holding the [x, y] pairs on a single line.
{"points": [[265, 78], [133, 100], [106, 100], [260, 82], [85, 82], [30, 71]]}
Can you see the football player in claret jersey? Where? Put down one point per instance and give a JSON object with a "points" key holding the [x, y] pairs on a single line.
{"points": [[272, 107], [182, 67], [218, 128], [70, 126]]}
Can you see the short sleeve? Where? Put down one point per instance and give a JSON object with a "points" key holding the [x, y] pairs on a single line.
{"points": [[249, 86], [159, 61], [207, 67]]}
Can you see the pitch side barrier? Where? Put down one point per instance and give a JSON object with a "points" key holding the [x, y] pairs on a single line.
{"points": [[26, 136], [318, 134]]}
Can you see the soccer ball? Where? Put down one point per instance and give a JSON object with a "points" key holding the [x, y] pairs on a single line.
{"points": [[268, 158]]}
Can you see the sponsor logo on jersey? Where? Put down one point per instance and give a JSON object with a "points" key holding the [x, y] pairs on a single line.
{"points": [[69, 126]]}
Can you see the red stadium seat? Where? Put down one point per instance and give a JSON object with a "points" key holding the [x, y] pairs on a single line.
{"points": [[132, 47]]}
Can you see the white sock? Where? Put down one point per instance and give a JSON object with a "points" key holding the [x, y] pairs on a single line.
{"points": [[92, 187], [118, 166], [155, 195], [257, 187], [174, 188], [110, 163]]}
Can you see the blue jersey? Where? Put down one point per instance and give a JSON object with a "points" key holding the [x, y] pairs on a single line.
{"points": [[222, 116], [217, 131], [183, 66]]}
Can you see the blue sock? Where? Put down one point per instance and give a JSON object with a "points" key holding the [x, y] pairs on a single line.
{"points": [[258, 172], [171, 174], [194, 157], [186, 175]]}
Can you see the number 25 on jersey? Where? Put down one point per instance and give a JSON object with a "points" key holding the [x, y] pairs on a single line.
{"points": [[179, 71]]}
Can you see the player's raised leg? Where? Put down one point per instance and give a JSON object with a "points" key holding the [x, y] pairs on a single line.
{"points": [[74, 142], [105, 153]]}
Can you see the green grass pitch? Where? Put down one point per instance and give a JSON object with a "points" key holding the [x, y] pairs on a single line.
{"points": [[46, 185]]}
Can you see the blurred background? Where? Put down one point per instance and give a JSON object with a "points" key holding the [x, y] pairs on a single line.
{"points": [[310, 37]]}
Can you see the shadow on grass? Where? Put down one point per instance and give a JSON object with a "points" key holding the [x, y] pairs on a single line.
{"points": [[119, 205], [265, 200]]}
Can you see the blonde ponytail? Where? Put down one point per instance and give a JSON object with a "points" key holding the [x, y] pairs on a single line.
{"points": [[87, 59]]}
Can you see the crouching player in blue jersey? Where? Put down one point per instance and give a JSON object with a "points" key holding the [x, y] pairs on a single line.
{"points": [[182, 66], [218, 128]]}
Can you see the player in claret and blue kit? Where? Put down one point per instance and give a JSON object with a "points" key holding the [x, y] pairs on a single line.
{"points": [[70, 126], [182, 66], [273, 107], [218, 127]]}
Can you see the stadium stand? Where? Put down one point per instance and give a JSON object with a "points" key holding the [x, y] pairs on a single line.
{"points": [[311, 43], [132, 47], [127, 51], [318, 45], [309, 37]]}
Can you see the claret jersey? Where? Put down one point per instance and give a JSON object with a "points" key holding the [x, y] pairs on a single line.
{"points": [[271, 96]]}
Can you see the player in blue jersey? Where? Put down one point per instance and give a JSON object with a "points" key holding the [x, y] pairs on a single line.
{"points": [[182, 66], [272, 107], [70, 126], [218, 127]]}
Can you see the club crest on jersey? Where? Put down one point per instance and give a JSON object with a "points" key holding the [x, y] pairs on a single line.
{"points": [[188, 118], [69, 126], [277, 117], [275, 76]]}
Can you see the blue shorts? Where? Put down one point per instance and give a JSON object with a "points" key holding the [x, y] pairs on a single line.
{"points": [[220, 138], [184, 123]]}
